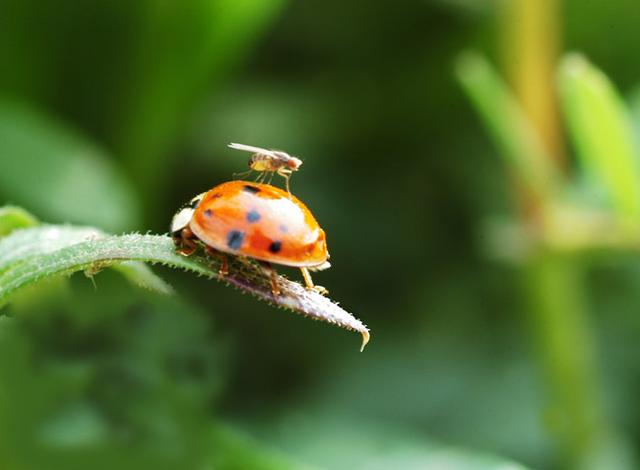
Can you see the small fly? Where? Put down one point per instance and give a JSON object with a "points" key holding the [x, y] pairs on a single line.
{"points": [[267, 162]]}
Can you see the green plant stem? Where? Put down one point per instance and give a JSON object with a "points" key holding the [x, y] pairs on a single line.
{"points": [[511, 129], [530, 40], [567, 352]]}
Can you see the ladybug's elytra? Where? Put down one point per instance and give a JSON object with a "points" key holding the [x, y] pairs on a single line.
{"points": [[255, 220]]}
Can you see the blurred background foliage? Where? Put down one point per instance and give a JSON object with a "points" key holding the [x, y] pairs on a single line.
{"points": [[113, 113]]}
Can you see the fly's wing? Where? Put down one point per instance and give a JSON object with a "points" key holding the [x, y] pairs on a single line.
{"points": [[252, 149], [277, 155]]}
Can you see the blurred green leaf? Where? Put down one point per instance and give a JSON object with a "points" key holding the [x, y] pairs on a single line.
{"points": [[601, 129], [12, 218], [129, 72], [634, 105], [128, 382], [32, 254], [141, 275], [232, 450], [181, 49], [506, 122], [52, 169], [333, 442]]}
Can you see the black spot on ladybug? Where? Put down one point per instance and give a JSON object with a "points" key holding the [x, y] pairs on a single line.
{"points": [[283, 228], [275, 247], [216, 196], [208, 212], [251, 189], [235, 239], [253, 216]]}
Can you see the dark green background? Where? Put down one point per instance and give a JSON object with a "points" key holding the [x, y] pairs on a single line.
{"points": [[398, 171]]}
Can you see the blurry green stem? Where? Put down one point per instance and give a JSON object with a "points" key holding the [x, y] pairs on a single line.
{"points": [[559, 313], [530, 42], [554, 281], [509, 126], [566, 349]]}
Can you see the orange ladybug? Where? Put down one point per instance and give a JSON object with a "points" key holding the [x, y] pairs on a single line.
{"points": [[255, 220], [269, 161]]}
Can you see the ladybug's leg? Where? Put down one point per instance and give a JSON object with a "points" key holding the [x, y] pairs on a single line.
{"points": [[224, 262], [309, 282], [273, 275], [185, 241]]}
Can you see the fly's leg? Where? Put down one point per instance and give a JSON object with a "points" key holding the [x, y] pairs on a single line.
{"points": [[243, 174], [309, 282], [286, 174], [262, 176], [286, 184]]}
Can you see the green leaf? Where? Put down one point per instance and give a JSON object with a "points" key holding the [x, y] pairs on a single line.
{"points": [[139, 102], [634, 106], [182, 50], [22, 245], [12, 218], [52, 169], [32, 254], [507, 123], [109, 390], [372, 445], [232, 449], [601, 129], [141, 275]]}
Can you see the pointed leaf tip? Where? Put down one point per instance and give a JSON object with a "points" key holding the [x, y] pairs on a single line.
{"points": [[600, 127], [365, 338]]}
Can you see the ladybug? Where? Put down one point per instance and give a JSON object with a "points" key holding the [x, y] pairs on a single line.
{"points": [[253, 220], [266, 161]]}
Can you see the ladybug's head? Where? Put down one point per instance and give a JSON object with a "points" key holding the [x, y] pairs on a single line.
{"points": [[182, 218]]}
